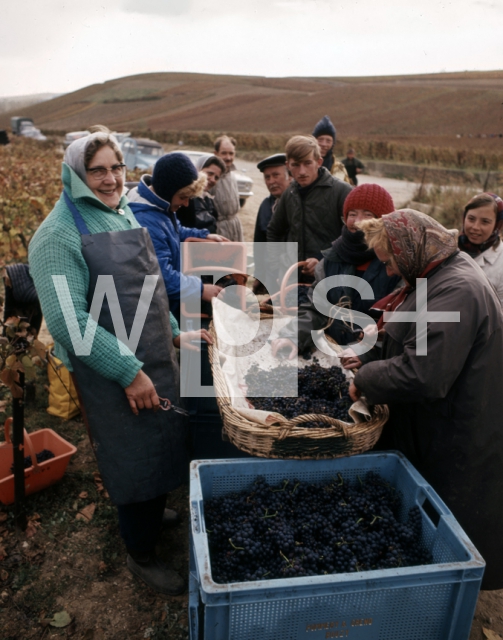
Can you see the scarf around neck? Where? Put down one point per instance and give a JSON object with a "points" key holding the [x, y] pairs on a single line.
{"points": [[303, 191], [328, 160], [351, 247]]}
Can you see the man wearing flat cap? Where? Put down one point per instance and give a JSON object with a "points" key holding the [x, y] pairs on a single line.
{"points": [[277, 179]]}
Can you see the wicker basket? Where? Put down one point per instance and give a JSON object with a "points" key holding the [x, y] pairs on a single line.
{"points": [[290, 439]]}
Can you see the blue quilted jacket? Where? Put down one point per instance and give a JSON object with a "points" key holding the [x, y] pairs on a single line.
{"points": [[166, 232]]}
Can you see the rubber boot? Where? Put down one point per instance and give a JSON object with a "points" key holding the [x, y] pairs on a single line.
{"points": [[170, 517], [155, 573]]}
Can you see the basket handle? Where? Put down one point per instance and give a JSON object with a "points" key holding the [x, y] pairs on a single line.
{"points": [[285, 287], [312, 417], [28, 444]]}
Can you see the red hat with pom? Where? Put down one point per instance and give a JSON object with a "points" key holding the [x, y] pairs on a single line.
{"points": [[370, 197]]}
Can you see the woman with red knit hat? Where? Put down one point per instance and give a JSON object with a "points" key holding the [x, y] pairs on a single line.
{"points": [[348, 255]]}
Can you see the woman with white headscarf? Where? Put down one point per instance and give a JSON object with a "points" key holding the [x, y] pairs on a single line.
{"points": [[91, 234]]}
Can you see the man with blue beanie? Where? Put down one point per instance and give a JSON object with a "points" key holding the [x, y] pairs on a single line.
{"points": [[154, 202], [326, 136]]}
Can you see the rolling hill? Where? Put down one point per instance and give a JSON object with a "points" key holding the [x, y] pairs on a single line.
{"points": [[15, 103], [436, 107]]}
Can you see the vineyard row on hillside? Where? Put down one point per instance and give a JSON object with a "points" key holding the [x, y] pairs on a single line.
{"points": [[370, 149]]}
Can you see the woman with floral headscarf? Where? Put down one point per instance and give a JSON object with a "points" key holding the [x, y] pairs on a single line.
{"points": [[481, 236], [445, 405]]}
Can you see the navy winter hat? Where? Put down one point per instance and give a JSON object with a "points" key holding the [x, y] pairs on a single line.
{"points": [[172, 172], [324, 128]]}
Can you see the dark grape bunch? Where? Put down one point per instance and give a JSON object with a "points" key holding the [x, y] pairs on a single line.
{"points": [[300, 529], [320, 390], [42, 456]]}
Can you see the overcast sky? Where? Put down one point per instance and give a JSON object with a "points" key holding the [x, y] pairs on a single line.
{"points": [[59, 46]]}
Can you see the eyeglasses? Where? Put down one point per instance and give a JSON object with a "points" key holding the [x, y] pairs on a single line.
{"points": [[100, 173]]}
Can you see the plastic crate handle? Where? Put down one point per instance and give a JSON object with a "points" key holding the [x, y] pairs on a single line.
{"points": [[195, 516], [432, 507], [27, 443]]}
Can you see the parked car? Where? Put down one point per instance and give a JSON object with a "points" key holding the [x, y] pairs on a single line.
{"points": [[245, 184], [140, 153], [17, 121], [120, 137], [25, 127], [30, 131], [75, 135], [72, 136]]}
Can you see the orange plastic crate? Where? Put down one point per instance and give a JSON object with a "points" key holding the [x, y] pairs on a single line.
{"points": [[38, 476]]}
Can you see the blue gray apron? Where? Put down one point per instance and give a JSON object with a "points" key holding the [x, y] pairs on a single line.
{"points": [[139, 457]]}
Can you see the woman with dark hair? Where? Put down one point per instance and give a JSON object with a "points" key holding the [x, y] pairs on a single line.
{"points": [[481, 236], [440, 375], [92, 234], [201, 212]]}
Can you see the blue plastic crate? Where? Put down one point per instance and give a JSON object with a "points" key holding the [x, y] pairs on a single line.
{"points": [[435, 601]]}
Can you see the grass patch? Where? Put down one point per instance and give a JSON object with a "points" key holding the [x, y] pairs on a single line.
{"points": [[446, 203]]}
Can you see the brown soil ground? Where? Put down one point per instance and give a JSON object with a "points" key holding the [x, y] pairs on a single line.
{"points": [[65, 564]]}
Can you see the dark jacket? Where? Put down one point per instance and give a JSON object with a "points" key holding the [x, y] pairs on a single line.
{"points": [[313, 221], [446, 407], [200, 214], [264, 216], [310, 319], [328, 160], [352, 164]]}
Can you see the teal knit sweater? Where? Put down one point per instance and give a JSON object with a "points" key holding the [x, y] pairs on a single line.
{"points": [[56, 250]]}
